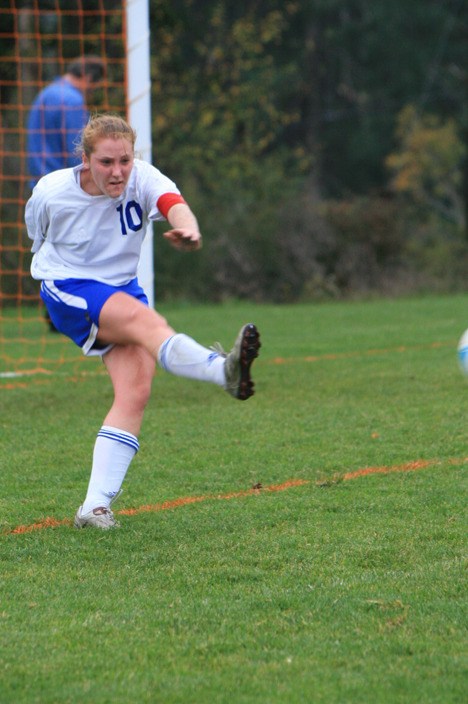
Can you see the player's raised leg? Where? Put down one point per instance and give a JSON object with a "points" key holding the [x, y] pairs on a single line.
{"points": [[124, 320]]}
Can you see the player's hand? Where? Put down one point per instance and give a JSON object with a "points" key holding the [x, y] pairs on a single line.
{"points": [[184, 239]]}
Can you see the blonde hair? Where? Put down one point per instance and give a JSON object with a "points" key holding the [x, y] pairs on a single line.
{"points": [[103, 126]]}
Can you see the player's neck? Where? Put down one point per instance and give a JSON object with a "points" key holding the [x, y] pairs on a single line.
{"points": [[87, 183]]}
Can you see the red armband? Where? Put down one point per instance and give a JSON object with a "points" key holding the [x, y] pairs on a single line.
{"points": [[166, 201]]}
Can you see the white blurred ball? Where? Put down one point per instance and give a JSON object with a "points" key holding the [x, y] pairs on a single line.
{"points": [[463, 353]]}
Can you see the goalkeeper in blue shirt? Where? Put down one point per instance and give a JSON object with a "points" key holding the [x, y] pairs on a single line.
{"points": [[58, 115]]}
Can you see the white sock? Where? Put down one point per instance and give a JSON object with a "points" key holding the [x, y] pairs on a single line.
{"points": [[114, 449], [182, 356]]}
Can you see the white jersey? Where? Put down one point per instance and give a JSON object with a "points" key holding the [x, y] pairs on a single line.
{"points": [[79, 236]]}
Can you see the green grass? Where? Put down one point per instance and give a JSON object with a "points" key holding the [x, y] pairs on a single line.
{"points": [[336, 591]]}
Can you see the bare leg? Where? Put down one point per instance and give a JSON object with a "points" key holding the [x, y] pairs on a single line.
{"points": [[131, 370], [125, 320]]}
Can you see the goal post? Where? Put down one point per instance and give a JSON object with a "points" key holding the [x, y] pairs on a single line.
{"points": [[139, 112]]}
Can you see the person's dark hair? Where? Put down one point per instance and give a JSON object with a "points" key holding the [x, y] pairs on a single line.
{"points": [[92, 66]]}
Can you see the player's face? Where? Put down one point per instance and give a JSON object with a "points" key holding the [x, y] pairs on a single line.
{"points": [[109, 167]]}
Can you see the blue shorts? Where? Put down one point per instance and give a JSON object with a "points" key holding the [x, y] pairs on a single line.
{"points": [[74, 306]]}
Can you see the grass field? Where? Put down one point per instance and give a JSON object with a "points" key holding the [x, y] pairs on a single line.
{"points": [[340, 581]]}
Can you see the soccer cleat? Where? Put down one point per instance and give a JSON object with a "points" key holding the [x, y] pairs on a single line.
{"points": [[100, 517], [238, 363]]}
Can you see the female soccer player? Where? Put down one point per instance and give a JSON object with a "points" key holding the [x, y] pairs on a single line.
{"points": [[88, 225]]}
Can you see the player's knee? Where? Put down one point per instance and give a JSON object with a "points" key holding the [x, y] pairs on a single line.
{"points": [[159, 320]]}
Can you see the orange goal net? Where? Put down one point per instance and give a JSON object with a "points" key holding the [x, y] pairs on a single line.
{"points": [[38, 41]]}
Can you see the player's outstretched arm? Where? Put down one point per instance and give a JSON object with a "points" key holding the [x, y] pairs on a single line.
{"points": [[185, 234]]}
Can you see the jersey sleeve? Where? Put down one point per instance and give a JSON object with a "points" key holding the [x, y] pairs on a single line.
{"points": [[36, 217], [157, 189]]}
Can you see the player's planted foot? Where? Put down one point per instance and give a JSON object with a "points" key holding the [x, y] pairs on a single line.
{"points": [[100, 517], [238, 362]]}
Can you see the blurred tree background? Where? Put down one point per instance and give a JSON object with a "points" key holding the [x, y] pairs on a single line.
{"points": [[320, 142]]}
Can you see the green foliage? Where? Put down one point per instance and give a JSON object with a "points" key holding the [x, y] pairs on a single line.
{"points": [[275, 119], [368, 244], [219, 120], [427, 165], [334, 591], [219, 96]]}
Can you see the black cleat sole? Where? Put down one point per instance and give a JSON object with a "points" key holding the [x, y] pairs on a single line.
{"points": [[250, 346]]}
